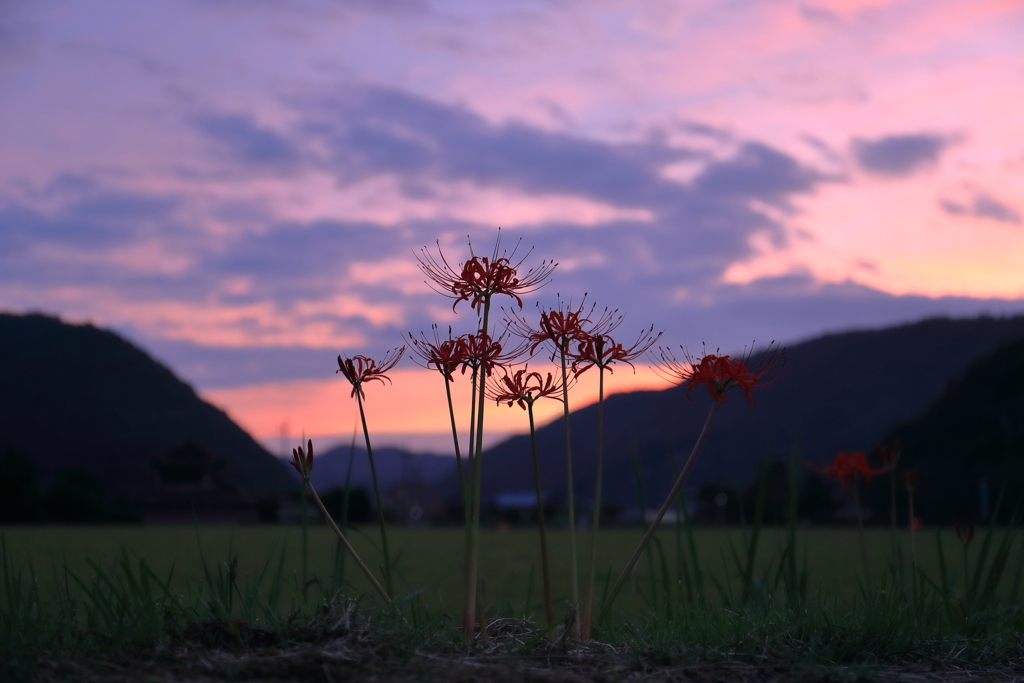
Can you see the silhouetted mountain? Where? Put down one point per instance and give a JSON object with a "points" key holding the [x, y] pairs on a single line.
{"points": [[77, 397], [969, 444], [838, 392], [393, 465]]}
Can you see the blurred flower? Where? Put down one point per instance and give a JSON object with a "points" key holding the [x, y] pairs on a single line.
{"points": [[850, 467], [910, 479], [303, 462], [718, 373], [524, 387], [481, 277], [359, 369], [602, 351], [445, 355], [890, 455]]}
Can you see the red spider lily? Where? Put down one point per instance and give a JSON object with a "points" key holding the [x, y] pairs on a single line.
{"points": [[445, 355], [910, 479], [890, 455], [719, 373], [481, 351], [602, 351], [359, 369], [481, 277], [850, 467], [303, 462], [524, 387], [565, 324]]}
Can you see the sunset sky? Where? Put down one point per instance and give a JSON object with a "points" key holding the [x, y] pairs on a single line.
{"points": [[241, 187]]}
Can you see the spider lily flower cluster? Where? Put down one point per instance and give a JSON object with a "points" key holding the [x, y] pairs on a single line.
{"points": [[852, 468], [577, 337]]}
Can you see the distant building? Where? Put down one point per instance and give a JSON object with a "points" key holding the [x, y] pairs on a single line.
{"points": [[520, 507], [189, 488]]}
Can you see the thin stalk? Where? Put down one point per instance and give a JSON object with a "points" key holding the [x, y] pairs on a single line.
{"points": [[380, 501], [913, 545], [545, 569], [339, 561], [455, 438], [755, 532], [892, 512], [472, 559], [687, 466], [860, 531], [792, 514], [588, 599], [574, 582], [348, 546], [467, 514], [968, 592], [305, 542], [698, 572], [471, 454]]}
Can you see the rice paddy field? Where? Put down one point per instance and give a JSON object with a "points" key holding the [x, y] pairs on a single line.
{"points": [[428, 560]]}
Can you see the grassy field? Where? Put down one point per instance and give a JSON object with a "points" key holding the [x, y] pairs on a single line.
{"points": [[429, 559], [80, 602]]}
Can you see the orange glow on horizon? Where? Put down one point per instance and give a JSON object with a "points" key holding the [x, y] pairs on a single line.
{"points": [[415, 404]]}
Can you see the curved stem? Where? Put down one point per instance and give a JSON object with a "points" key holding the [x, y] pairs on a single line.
{"points": [[687, 466], [545, 570], [380, 501], [348, 546]]}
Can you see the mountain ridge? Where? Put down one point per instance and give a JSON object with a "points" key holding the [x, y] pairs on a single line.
{"points": [[79, 397], [840, 391]]}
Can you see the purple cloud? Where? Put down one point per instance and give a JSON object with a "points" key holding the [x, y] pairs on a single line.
{"points": [[899, 155]]}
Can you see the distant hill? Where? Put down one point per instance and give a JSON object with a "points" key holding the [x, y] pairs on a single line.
{"points": [[837, 392], [969, 439], [74, 396], [393, 465]]}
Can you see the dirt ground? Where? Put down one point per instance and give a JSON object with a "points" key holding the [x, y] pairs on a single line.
{"points": [[212, 653]]}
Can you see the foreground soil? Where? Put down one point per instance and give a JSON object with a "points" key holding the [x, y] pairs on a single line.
{"points": [[210, 653]]}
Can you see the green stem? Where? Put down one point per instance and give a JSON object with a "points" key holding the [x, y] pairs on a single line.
{"points": [[362, 565], [896, 554], [545, 570], [860, 531], [455, 438], [380, 501], [473, 560], [467, 515], [968, 596], [574, 564], [913, 551], [638, 551], [305, 542], [588, 598], [339, 565]]}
